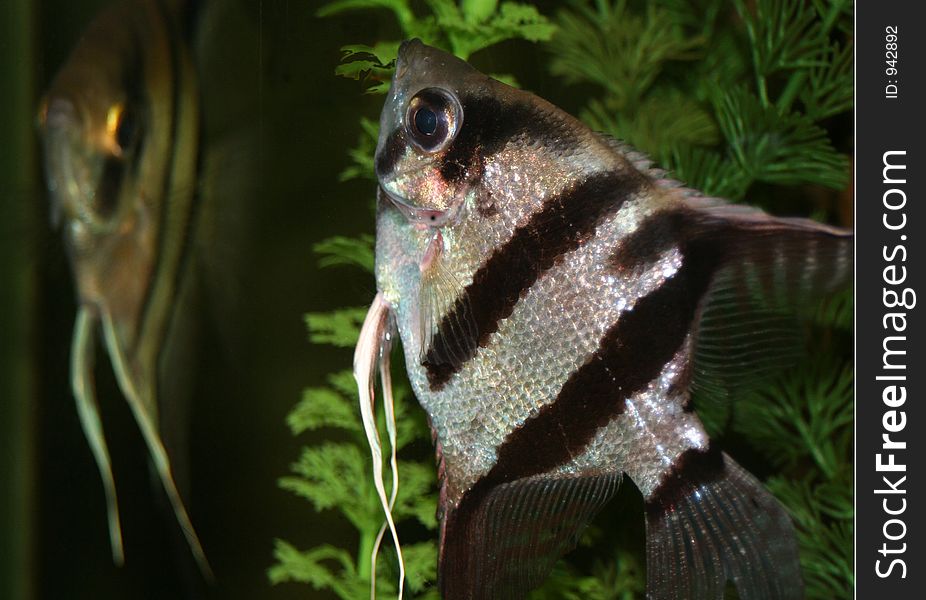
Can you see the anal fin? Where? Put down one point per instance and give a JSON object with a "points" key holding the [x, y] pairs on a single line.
{"points": [[502, 541], [710, 522]]}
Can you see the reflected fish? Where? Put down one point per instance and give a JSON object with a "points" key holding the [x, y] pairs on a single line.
{"points": [[120, 127], [550, 289]]}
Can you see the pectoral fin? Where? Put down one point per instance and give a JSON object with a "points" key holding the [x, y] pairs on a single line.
{"points": [[82, 386], [711, 522], [447, 329], [502, 541]]}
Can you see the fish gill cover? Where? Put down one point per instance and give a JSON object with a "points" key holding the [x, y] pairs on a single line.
{"points": [[741, 100]]}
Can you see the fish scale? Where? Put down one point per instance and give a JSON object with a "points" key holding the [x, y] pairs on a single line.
{"points": [[651, 433], [517, 348], [573, 279]]}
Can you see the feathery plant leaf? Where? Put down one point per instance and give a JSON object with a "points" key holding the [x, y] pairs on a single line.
{"points": [[769, 146], [784, 34], [836, 312], [338, 328], [666, 122], [634, 56], [617, 577], [813, 405], [340, 250], [362, 154], [321, 408], [487, 23], [421, 569], [617, 49], [710, 172], [335, 476], [461, 29], [825, 541], [829, 89], [807, 417]]}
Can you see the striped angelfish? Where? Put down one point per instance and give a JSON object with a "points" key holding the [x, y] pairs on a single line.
{"points": [[550, 290], [120, 125]]}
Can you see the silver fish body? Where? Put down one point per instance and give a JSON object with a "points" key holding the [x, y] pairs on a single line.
{"points": [[120, 125], [548, 287]]}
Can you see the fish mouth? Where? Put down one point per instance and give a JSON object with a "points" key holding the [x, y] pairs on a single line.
{"points": [[418, 215]]}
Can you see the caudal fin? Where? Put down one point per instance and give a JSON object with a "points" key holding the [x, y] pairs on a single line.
{"points": [[711, 522]]}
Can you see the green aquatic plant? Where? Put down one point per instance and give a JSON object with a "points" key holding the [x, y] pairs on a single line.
{"points": [[334, 475], [741, 100], [723, 93]]}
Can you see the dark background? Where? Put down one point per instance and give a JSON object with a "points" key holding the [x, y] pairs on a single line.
{"points": [[271, 69]]}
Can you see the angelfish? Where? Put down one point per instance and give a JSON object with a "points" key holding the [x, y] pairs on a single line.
{"points": [[120, 126], [549, 288]]}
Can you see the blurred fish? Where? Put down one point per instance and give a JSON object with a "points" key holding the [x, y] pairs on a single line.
{"points": [[120, 126], [551, 291]]}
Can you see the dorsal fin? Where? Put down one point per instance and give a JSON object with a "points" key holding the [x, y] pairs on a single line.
{"points": [[773, 269], [643, 163]]}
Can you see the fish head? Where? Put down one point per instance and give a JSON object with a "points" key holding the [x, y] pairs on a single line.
{"points": [[101, 124], [420, 121], [90, 133], [443, 122], [445, 126]]}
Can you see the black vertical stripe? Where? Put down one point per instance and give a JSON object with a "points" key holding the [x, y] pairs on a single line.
{"points": [[389, 153], [654, 236], [559, 227], [692, 469], [631, 354], [489, 125]]}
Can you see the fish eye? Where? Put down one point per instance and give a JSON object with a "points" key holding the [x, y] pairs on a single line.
{"points": [[127, 129], [432, 119], [426, 121], [121, 128]]}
